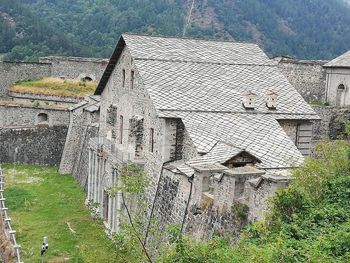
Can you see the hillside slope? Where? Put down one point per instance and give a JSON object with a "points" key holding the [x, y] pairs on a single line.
{"points": [[26, 36], [315, 29]]}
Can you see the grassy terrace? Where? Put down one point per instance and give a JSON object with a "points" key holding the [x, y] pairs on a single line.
{"points": [[55, 87], [43, 203]]}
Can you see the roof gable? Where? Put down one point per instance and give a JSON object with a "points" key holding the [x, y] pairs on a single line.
{"points": [[342, 61], [241, 159]]}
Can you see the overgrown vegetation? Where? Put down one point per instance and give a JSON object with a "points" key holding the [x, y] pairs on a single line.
{"points": [[55, 87], [130, 240], [43, 203], [308, 222], [304, 29]]}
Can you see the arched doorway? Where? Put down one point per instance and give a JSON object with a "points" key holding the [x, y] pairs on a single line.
{"points": [[340, 99]]}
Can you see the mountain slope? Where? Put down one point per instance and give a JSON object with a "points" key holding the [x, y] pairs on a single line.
{"points": [[27, 36], [315, 29]]}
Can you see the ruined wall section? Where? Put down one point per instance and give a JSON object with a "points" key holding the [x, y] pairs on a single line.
{"points": [[12, 72], [307, 76]]}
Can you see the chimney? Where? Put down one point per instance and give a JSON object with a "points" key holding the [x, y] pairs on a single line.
{"points": [[249, 100], [271, 99]]}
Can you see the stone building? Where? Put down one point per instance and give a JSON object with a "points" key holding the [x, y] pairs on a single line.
{"points": [[209, 122], [338, 81]]}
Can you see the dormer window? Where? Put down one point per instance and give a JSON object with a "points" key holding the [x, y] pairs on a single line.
{"points": [[249, 100], [271, 99]]}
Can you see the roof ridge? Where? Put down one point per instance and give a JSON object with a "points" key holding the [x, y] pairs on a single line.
{"points": [[236, 112], [269, 64], [189, 38]]}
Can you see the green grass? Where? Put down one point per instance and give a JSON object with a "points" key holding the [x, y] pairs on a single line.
{"points": [[319, 103], [55, 87], [40, 203]]}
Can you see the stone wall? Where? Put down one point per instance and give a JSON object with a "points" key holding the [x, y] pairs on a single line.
{"points": [[39, 146], [43, 100], [67, 67], [170, 203], [19, 116], [207, 221], [11, 72], [76, 67], [307, 76], [81, 164], [321, 129], [82, 127]]}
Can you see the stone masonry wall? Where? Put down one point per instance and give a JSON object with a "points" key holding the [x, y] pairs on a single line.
{"points": [[207, 221], [307, 76], [82, 127], [258, 197], [10, 72], [321, 129], [171, 200], [39, 146], [76, 68], [81, 164], [27, 117]]}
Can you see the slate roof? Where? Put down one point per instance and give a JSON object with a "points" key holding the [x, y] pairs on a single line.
{"points": [[195, 50], [187, 86], [342, 61], [203, 83], [222, 135]]}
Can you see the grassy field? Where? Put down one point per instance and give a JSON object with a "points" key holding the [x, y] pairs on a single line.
{"points": [[55, 87], [43, 203]]}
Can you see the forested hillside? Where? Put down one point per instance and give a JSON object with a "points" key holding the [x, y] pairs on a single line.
{"points": [[302, 28]]}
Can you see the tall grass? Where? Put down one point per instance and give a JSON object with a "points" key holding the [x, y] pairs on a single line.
{"points": [[55, 87]]}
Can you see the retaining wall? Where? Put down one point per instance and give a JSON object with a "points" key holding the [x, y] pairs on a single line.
{"points": [[37, 146]]}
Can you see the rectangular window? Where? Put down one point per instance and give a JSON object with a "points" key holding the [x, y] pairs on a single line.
{"points": [[123, 78], [132, 73], [151, 140], [121, 129], [105, 205]]}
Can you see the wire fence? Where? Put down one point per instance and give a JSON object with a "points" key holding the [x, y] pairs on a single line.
{"points": [[9, 231]]}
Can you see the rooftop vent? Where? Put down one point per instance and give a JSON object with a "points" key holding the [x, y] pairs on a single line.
{"points": [[249, 100], [271, 99]]}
